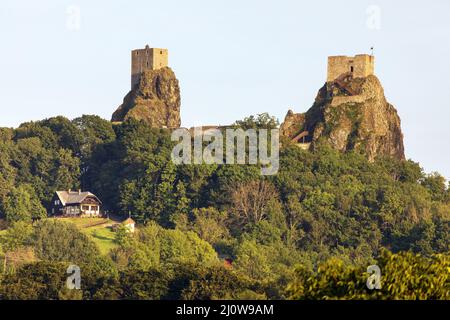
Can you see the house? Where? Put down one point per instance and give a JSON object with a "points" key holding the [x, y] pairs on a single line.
{"points": [[227, 260], [228, 263], [129, 224], [75, 204]]}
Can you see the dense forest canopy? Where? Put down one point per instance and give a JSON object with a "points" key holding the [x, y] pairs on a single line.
{"points": [[317, 224]]}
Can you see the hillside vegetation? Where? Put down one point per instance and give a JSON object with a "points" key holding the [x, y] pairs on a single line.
{"points": [[311, 234]]}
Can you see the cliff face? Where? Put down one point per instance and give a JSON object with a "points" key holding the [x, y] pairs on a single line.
{"points": [[292, 125], [350, 114], [155, 99]]}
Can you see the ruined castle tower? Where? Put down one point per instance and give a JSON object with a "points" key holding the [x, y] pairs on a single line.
{"points": [[155, 93], [359, 66], [147, 59], [350, 112]]}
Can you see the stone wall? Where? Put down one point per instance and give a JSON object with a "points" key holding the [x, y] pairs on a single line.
{"points": [[360, 66], [147, 59], [160, 58]]}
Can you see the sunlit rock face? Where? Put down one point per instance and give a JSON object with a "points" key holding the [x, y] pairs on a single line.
{"points": [[155, 99], [350, 114]]}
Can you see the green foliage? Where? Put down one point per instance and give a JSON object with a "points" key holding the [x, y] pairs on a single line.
{"points": [[328, 212], [37, 281], [403, 276], [177, 247], [210, 225], [153, 247], [143, 285], [63, 242], [213, 283], [158, 200], [261, 121], [22, 204], [17, 235], [437, 186], [252, 261], [95, 131]]}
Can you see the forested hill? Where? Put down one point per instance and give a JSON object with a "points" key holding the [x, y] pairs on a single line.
{"points": [[323, 206]]}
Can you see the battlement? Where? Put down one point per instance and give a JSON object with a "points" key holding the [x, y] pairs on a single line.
{"points": [[147, 59], [360, 66]]}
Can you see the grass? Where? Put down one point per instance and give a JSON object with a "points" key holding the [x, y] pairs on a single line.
{"points": [[104, 237], [98, 229], [83, 223]]}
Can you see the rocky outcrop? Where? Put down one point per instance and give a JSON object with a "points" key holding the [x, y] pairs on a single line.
{"points": [[350, 114], [292, 124], [155, 100]]}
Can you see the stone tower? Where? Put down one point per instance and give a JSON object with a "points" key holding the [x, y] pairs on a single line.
{"points": [[147, 59], [360, 66]]}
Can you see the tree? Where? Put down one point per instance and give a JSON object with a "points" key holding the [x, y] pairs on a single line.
{"points": [[155, 247], [96, 131], [47, 137], [181, 200], [7, 172], [261, 121], [22, 204], [69, 136], [294, 213], [38, 281], [179, 247], [63, 242], [17, 235], [66, 171], [404, 276], [250, 200], [143, 285], [437, 186], [264, 232], [164, 202], [151, 197], [212, 283], [251, 261], [210, 225], [40, 161], [15, 246], [139, 251]]}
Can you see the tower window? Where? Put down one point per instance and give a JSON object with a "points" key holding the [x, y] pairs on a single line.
{"points": [[351, 69]]}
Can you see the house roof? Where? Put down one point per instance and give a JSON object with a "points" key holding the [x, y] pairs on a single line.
{"points": [[128, 221], [74, 197]]}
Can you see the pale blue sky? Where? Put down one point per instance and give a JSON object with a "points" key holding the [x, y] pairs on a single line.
{"points": [[233, 59]]}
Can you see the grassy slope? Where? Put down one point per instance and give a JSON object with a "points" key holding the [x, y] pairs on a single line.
{"points": [[98, 229]]}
